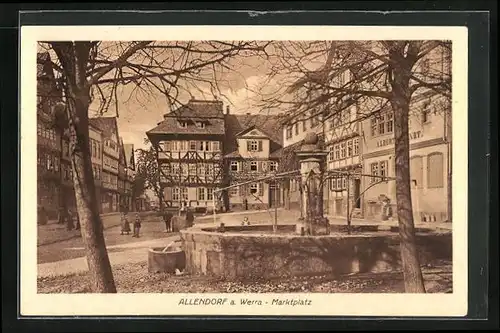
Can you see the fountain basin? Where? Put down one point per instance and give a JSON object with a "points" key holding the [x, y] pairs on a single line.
{"points": [[255, 251], [165, 262]]}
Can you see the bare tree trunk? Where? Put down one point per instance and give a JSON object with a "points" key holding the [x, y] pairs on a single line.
{"points": [[399, 77], [414, 282], [88, 211], [74, 59]]}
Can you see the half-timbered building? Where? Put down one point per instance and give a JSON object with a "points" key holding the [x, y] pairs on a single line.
{"points": [[189, 145], [110, 157], [253, 146]]}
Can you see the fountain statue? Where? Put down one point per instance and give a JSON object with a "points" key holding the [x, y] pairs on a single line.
{"points": [[312, 158]]}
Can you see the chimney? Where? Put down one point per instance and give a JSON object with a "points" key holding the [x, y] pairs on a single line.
{"points": [[227, 109]]}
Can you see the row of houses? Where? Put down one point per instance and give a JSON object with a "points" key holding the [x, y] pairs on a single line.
{"points": [[201, 149], [113, 160]]}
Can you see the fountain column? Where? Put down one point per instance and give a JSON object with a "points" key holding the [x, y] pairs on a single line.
{"points": [[311, 158]]}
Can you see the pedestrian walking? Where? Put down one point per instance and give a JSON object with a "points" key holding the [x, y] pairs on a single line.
{"points": [[167, 218], [137, 225], [125, 224]]}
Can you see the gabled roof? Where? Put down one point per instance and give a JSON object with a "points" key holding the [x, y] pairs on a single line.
{"points": [[107, 125], [129, 155], [208, 112], [238, 124]]}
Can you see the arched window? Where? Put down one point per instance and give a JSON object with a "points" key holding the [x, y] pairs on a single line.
{"points": [[435, 170]]}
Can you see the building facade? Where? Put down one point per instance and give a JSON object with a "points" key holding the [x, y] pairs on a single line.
{"points": [[430, 159], [109, 194], [48, 138], [130, 175], [189, 145], [252, 151]]}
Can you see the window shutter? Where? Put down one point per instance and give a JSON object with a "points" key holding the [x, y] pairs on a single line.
{"points": [[260, 145], [248, 146], [261, 189]]}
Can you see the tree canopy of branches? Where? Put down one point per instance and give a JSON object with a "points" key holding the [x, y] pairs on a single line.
{"points": [[147, 170], [324, 78], [90, 72]]}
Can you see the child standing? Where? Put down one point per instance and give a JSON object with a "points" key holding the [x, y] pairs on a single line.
{"points": [[137, 225]]}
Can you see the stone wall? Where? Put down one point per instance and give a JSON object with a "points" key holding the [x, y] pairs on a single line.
{"points": [[233, 255]]}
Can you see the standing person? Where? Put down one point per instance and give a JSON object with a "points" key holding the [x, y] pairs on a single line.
{"points": [[62, 215], [189, 218], [137, 225], [69, 220], [77, 219], [167, 218], [125, 224]]}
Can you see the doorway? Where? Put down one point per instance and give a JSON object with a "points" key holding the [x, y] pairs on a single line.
{"points": [[357, 191]]}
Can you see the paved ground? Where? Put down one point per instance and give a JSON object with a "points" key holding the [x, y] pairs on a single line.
{"points": [[67, 256]]}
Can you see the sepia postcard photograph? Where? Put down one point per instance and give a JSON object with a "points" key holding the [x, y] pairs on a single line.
{"points": [[243, 170]]}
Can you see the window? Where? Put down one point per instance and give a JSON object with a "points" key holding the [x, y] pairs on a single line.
{"points": [[339, 183], [192, 169], [304, 125], [210, 194], [254, 188], [435, 170], [207, 145], [254, 145], [343, 150], [416, 171], [233, 191], [426, 111], [184, 145], [200, 124], [253, 166], [373, 126], [296, 128], [201, 193], [234, 165], [176, 194], [356, 147], [344, 182], [184, 194], [215, 146], [210, 169], [192, 145], [183, 124], [383, 169], [273, 166], [374, 171], [167, 146], [261, 189], [336, 149], [331, 156], [382, 124], [289, 132], [349, 148]]}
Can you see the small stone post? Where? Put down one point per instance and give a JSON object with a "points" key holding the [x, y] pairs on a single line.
{"points": [[311, 159]]}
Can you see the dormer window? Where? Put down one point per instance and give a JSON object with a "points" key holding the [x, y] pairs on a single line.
{"points": [[200, 124], [254, 145]]}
